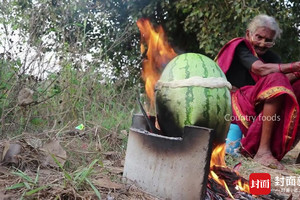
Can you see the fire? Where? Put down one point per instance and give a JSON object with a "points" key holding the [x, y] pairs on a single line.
{"points": [[243, 186], [218, 159], [158, 54], [218, 156]]}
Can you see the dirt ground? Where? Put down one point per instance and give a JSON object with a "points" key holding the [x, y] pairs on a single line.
{"points": [[283, 182], [28, 169], [43, 178]]}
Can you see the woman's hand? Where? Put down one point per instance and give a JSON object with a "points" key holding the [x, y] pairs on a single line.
{"points": [[292, 77], [296, 66], [234, 89]]}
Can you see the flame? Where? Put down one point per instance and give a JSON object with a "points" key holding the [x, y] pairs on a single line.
{"points": [[158, 54], [218, 159], [244, 187], [218, 156]]}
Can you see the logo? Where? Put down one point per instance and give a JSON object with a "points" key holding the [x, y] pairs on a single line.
{"points": [[260, 183]]}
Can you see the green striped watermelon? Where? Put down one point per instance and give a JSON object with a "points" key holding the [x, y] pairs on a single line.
{"points": [[193, 90]]}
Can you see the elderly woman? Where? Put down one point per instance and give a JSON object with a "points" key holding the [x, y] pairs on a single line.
{"points": [[265, 92]]}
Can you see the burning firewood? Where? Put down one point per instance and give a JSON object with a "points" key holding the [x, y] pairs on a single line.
{"points": [[211, 195], [231, 178], [215, 191]]}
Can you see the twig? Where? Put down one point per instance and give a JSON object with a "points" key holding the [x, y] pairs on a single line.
{"points": [[62, 129]]}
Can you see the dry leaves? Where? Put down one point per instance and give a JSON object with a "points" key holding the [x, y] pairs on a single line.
{"points": [[53, 148]]}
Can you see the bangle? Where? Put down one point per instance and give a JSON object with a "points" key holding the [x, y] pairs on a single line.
{"points": [[291, 67], [279, 68]]}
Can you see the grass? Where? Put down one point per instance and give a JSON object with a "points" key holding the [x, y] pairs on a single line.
{"points": [[78, 179], [87, 173], [95, 154], [61, 104], [80, 176], [83, 175]]}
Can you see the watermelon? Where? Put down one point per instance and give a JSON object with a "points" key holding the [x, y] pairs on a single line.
{"points": [[193, 90]]}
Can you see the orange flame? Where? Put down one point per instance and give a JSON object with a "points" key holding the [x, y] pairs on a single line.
{"points": [[218, 156], [218, 159], [159, 53], [244, 187]]}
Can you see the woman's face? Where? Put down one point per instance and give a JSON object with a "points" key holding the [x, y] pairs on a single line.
{"points": [[262, 39]]}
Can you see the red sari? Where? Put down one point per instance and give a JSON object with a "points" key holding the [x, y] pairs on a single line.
{"points": [[247, 105]]}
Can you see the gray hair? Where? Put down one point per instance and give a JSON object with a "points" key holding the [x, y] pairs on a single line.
{"points": [[265, 21]]}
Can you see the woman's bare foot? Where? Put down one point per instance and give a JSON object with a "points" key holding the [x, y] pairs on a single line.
{"points": [[268, 160]]}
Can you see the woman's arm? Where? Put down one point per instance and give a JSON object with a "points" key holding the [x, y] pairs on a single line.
{"points": [[263, 69], [292, 77]]}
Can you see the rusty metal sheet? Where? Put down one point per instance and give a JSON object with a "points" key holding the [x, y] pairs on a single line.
{"points": [[169, 167]]}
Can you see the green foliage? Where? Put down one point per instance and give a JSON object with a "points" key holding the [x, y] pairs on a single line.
{"points": [[9, 84], [37, 121], [208, 25], [75, 89], [78, 180], [82, 60], [82, 89], [80, 98], [30, 185], [209, 20], [74, 29], [80, 177], [107, 29]]}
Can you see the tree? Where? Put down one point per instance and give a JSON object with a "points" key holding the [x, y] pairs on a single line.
{"points": [[86, 47], [75, 30], [106, 29], [209, 24]]}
